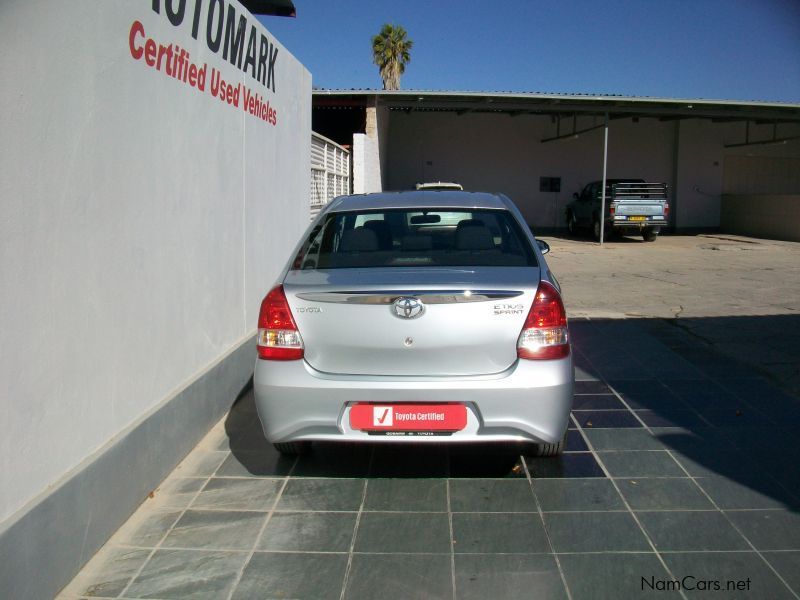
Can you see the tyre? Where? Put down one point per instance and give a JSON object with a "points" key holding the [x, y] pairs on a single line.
{"points": [[596, 231], [649, 234], [292, 447], [572, 224], [551, 449]]}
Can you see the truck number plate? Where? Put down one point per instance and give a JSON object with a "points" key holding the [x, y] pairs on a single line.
{"points": [[637, 218]]}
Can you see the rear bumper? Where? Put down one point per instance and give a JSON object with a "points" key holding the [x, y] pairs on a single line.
{"points": [[529, 402], [638, 225]]}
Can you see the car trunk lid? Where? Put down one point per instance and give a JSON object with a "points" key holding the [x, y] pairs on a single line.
{"points": [[352, 323]]}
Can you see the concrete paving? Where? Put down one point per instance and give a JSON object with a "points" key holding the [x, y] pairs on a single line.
{"points": [[739, 296], [679, 474]]}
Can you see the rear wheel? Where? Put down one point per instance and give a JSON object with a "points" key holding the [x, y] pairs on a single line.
{"points": [[649, 234], [551, 449], [292, 447], [572, 225], [596, 231]]}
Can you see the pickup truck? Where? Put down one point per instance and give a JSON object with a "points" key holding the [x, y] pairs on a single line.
{"points": [[632, 206]]}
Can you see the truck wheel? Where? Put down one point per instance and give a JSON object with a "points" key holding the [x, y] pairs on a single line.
{"points": [[572, 225], [649, 234], [292, 447], [596, 230]]}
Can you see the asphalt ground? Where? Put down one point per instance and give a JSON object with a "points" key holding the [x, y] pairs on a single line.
{"points": [[680, 473]]}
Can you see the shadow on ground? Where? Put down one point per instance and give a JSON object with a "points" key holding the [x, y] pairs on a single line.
{"points": [[643, 385]]}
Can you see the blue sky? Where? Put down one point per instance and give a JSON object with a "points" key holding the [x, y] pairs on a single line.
{"points": [[721, 49]]}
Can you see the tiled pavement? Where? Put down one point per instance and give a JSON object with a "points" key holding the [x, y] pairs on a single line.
{"points": [[681, 466]]}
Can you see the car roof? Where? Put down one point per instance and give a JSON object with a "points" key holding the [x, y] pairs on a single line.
{"points": [[419, 199]]}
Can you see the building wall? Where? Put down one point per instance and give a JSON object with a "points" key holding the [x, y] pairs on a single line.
{"points": [[497, 152], [143, 220], [771, 216], [366, 164], [505, 154]]}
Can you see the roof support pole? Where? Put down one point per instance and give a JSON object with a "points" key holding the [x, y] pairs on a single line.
{"points": [[602, 216]]}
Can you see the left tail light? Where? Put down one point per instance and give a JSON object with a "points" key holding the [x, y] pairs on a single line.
{"points": [[278, 336], [545, 334]]}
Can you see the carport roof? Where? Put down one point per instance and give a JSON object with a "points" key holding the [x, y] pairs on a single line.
{"points": [[537, 103]]}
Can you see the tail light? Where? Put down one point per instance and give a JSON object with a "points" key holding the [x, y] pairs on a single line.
{"points": [[666, 210], [545, 335], [278, 337], [612, 209]]}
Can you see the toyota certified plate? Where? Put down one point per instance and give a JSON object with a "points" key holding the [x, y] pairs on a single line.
{"points": [[387, 418]]}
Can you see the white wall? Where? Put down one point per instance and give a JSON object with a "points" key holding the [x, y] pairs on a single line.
{"points": [[142, 222]]}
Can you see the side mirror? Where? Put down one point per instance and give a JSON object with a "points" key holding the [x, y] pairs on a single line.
{"points": [[543, 246], [575, 195]]}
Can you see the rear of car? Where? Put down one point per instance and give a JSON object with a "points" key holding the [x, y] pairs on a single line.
{"points": [[416, 316]]}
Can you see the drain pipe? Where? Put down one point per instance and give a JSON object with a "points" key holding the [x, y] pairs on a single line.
{"points": [[603, 193]]}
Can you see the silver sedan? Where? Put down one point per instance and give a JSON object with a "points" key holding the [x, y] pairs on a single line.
{"points": [[422, 316]]}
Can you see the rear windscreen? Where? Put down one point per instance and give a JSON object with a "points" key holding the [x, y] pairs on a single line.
{"points": [[416, 238]]}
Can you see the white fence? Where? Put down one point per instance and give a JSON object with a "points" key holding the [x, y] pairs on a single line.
{"points": [[330, 172]]}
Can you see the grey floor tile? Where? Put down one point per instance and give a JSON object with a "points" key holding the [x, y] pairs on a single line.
{"points": [[481, 576], [691, 531], [569, 465], [108, 572], [403, 532], [752, 492], [622, 439], [671, 418], [491, 533], [412, 460], [334, 460], [575, 442], [256, 464], [663, 494], [613, 576], [245, 440], [491, 495], [309, 532], [640, 463], [743, 569], [606, 419], [146, 528], [322, 494], [787, 564], [769, 529], [200, 464], [238, 494], [383, 576], [306, 575], [596, 402], [181, 574], [406, 495], [176, 492], [577, 495], [218, 530], [595, 532], [497, 462]]}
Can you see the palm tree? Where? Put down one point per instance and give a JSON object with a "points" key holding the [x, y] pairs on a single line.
{"points": [[390, 51]]}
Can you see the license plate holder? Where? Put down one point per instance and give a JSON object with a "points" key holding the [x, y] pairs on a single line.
{"points": [[373, 417]]}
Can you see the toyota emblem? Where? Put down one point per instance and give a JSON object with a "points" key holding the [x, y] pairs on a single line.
{"points": [[408, 308]]}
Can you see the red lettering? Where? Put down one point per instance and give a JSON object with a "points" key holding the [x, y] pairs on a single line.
{"points": [[150, 53], [136, 28], [192, 75]]}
